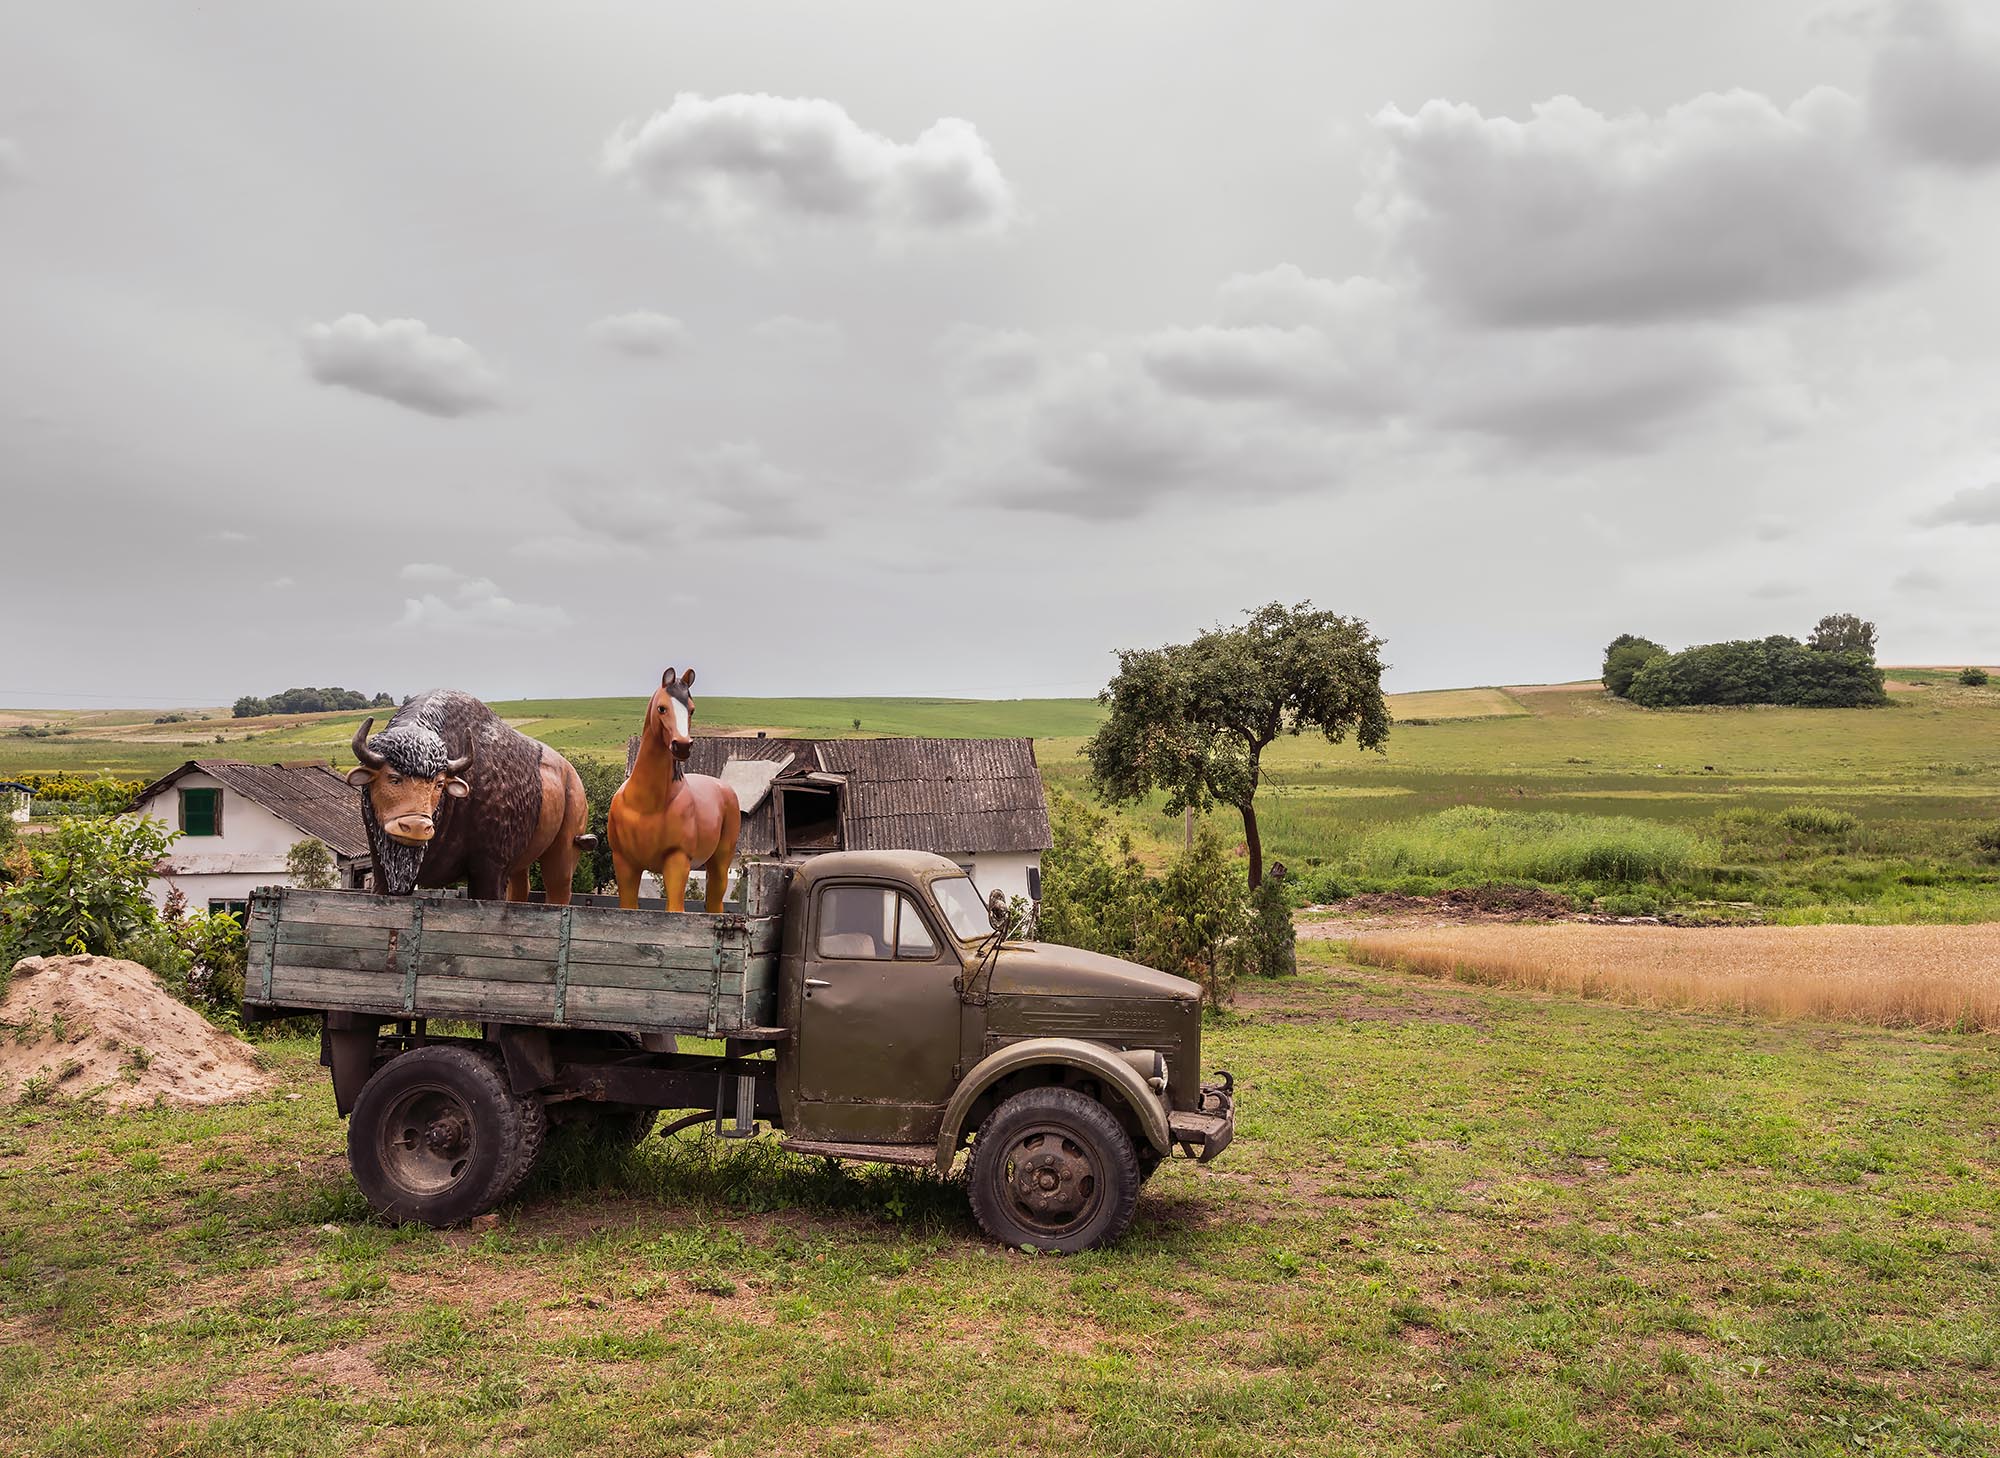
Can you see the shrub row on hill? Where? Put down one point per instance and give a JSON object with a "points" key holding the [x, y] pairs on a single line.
{"points": [[309, 701], [1833, 669]]}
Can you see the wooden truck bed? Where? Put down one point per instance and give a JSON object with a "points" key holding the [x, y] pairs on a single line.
{"points": [[514, 962]]}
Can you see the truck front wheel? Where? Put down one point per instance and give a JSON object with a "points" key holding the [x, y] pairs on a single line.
{"points": [[1052, 1169], [438, 1137]]}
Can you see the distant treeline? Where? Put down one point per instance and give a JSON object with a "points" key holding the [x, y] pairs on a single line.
{"points": [[310, 701], [1834, 668]]}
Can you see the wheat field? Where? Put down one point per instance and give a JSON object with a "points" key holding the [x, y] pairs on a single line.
{"points": [[1895, 976]]}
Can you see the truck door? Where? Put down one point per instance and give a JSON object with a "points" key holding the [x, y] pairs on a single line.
{"points": [[878, 1018]]}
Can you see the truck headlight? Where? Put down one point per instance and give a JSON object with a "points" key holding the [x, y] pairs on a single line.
{"points": [[1150, 1064]]}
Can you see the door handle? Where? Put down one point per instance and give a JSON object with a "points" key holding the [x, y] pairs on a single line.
{"points": [[817, 982]]}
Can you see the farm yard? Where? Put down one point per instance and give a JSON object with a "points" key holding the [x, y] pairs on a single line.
{"points": [[1457, 1220]]}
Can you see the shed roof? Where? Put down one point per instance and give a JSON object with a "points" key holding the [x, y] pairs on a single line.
{"points": [[309, 796], [947, 796]]}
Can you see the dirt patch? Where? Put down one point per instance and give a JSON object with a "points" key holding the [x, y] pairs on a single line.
{"points": [[101, 1027], [348, 1367], [1456, 907]]}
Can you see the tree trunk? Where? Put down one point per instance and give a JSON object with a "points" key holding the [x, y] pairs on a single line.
{"points": [[1253, 842]]}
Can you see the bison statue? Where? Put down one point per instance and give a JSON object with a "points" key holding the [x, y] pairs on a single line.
{"points": [[450, 793]]}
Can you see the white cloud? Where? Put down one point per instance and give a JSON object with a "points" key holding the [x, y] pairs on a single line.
{"points": [[642, 333], [470, 605], [232, 536], [1716, 206], [744, 160], [1934, 90], [401, 360], [1974, 506], [792, 334], [280, 583]]}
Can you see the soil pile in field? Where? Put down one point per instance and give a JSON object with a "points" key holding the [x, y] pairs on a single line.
{"points": [[79, 1026]]}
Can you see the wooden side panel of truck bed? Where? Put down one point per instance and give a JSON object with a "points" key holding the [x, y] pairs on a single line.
{"points": [[514, 962]]}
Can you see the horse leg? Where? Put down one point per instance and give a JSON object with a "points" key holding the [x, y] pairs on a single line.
{"points": [[627, 873], [674, 879], [517, 885], [725, 852]]}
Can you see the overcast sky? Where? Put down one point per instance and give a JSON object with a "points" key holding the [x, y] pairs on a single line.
{"points": [[944, 349]]}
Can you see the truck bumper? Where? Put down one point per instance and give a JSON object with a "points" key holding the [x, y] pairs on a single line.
{"points": [[1203, 1135]]}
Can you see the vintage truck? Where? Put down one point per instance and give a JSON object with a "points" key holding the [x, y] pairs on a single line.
{"points": [[866, 1004]]}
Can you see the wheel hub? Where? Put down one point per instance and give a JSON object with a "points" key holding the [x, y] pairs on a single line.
{"points": [[446, 1135], [1052, 1179]]}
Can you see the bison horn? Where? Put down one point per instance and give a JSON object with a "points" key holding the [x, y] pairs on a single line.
{"points": [[362, 753], [458, 766]]}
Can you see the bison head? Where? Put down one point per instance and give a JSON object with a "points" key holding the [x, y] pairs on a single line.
{"points": [[671, 716], [405, 771]]}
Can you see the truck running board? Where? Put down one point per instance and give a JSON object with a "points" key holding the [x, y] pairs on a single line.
{"points": [[912, 1154]]}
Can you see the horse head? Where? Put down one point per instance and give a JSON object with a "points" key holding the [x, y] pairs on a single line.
{"points": [[671, 716]]}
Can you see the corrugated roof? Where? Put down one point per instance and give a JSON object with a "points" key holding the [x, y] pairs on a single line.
{"points": [[309, 796], [947, 796]]}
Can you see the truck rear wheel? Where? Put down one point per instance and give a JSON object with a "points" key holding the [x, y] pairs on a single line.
{"points": [[1052, 1169], [438, 1137]]}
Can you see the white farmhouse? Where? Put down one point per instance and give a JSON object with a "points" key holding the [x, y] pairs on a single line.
{"points": [[238, 821], [16, 801]]}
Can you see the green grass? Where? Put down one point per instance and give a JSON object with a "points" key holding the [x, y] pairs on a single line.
{"points": [[1454, 1222], [1473, 840], [1918, 781]]}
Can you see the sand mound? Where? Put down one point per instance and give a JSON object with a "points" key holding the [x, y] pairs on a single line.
{"points": [[99, 1026]]}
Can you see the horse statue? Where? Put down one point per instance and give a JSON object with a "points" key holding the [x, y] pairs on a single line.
{"points": [[665, 820]]}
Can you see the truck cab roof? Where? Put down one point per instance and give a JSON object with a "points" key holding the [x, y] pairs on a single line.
{"points": [[903, 866]]}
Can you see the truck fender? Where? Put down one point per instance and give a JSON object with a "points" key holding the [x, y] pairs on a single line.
{"points": [[1094, 1058]]}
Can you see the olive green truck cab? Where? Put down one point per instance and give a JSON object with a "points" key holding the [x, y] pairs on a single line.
{"points": [[866, 1007]]}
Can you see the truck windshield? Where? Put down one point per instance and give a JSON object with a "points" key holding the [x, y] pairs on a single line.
{"points": [[959, 901]]}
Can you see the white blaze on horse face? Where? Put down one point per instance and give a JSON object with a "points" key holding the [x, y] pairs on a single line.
{"points": [[682, 729]]}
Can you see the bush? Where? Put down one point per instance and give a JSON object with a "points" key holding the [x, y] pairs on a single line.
{"points": [[1471, 840], [310, 864], [1271, 940], [1987, 843], [85, 887], [1200, 908], [100, 794], [1817, 820], [1095, 894], [1972, 677]]}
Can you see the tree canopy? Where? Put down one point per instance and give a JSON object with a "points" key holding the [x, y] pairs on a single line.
{"points": [[1193, 719], [1843, 633], [1624, 657]]}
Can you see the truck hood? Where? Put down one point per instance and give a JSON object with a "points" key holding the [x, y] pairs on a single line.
{"points": [[1042, 968]]}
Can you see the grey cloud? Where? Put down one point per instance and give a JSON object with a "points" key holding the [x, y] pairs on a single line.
{"points": [[401, 360], [1767, 590], [1974, 506], [729, 489], [1718, 205], [1919, 579], [642, 333], [793, 334], [1934, 89], [13, 166], [1264, 361], [740, 160], [991, 361]]}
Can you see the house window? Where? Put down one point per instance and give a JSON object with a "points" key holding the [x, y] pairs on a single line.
{"points": [[201, 812], [238, 909]]}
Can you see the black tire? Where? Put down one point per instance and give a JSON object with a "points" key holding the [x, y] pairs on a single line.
{"points": [[1052, 1169], [438, 1137], [531, 1143]]}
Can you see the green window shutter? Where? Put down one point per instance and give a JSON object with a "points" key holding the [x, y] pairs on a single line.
{"points": [[201, 812]]}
